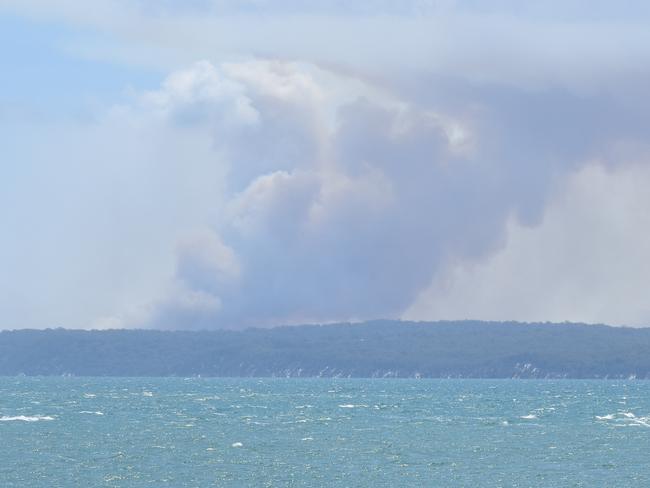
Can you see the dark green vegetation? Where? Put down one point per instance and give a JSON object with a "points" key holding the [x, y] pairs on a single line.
{"points": [[372, 349]]}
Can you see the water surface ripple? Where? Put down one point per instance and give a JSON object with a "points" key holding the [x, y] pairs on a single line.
{"points": [[198, 432]]}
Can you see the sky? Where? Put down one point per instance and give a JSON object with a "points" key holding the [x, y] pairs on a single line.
{"points": [[226, 164]]}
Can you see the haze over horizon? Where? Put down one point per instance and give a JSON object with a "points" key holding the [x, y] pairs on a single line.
{"points": [[169, 164]]}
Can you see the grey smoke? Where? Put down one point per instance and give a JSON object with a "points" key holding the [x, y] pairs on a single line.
{"points": [[350, 214]]}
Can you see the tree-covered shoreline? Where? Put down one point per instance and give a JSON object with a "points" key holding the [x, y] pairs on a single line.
{"points": [[467, 349]]}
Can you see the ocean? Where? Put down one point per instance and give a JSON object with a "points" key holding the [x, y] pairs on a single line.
{"points": [[215, 432]]}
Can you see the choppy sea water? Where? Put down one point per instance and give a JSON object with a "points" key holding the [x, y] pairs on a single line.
{"points": [[143, 432]]}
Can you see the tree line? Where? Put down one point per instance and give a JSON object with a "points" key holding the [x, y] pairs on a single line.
{"points": [[468, 349]]}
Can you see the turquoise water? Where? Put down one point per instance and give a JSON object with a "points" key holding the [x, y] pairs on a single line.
{"points": [[143, 432]]}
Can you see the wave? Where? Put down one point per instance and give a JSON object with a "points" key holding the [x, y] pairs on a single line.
{"points": [[642, 421], [605, 417], [25, 418], [625, 419]]}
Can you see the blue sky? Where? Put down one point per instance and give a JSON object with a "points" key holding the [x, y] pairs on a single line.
{"points": [[43, 77], [227, 164]]}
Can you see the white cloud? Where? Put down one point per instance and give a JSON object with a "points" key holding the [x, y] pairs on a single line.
{"points": [[557, 44], [190, 96]]}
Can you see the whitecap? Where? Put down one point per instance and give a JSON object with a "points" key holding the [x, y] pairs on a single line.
{"points": [[237, 444], [350, 405], [92, 413], [25, 418], [147, 394], [642, 421], [530, 416], [609, 416]]}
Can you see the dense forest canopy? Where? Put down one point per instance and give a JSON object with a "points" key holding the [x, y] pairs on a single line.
{"points": [[370, 349]]}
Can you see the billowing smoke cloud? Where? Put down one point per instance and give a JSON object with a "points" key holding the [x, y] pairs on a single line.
{"points": [[347, 163], [344, 200]]}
